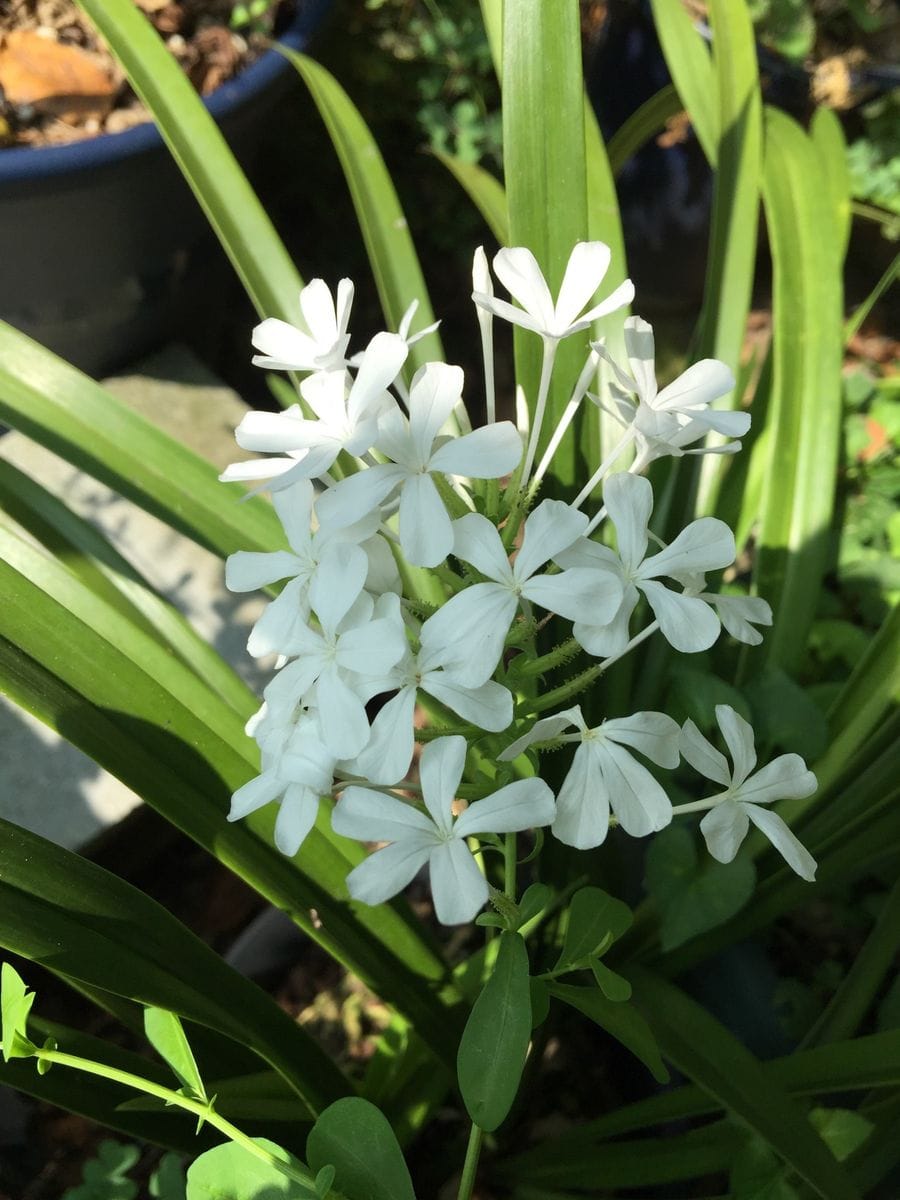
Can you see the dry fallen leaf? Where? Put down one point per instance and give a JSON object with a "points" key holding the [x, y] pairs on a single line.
{"points": [[55, 78]]}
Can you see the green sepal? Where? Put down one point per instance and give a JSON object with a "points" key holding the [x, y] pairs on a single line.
{"points": [[43, 1065]]}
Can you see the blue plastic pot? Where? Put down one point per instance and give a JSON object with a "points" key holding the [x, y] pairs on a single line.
{"points": [[102, 242]]}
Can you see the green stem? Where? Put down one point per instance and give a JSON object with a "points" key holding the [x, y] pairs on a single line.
{"points": [[199, 1108], [509, 866], [470, 1166], [546, 662]]}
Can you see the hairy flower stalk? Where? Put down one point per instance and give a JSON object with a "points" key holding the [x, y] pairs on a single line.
{"points": [[414, 583]]}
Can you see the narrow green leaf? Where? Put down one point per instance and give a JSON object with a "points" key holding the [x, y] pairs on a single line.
{"points": [[389, 245], [828, 136], [166, 1035], [208, 165], [355, 1138], [232, 1173], [707, 1053], [15, 1005], [613, 986], [805, 412], [594, 918], [644, 123], [621, 1021], [64, 410], [854, 322], [494, 1044], [485, 192], [689, 64]]}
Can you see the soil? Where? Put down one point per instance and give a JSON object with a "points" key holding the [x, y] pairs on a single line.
{"points": [[59, 82]]}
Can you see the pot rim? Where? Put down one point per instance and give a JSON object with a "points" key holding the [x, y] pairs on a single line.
{"points": [[40, 162]]}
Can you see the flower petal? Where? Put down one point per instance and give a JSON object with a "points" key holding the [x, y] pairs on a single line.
{"points": [[544, 730], [525, 804], [296, 817], [382, 360], [342, 715], [370, 816], [623, 294], [486, 453], [389, 752], [457, 886], [337, 583], [282, 347], [518, 271], [653, 734], [587, 265], [696, 387], [704, 545], [440, 770], [703, 756], [489, 706], [686, 622], [281, 621], [257, 793], [784, 778], [317, 307], [508, 312], [550, 529], [577, 594], [466, 635], [637, 799], [582, 805], [629, 502], [435, 391], [247, 570], [476, 541], [387, 872], [372, 648], [351, 499], [724, 828], [738, 735], [426, 531], [794, 853], [640, 347], [737, 612]]}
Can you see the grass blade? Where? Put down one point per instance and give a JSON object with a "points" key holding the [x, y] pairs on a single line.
{"points": [[688, 60]]}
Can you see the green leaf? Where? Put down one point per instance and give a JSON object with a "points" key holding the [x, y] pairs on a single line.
{"points": [[828, 136], [842, 1129], [232, 1173], [707, 1053], [784, 715], [613, 986], [15, 1005], [356, 1139], [594, 918], [200, 150], [167, 1182], [644, 123], [693, 893], [758, 1174], [534, 900], [67, 412], [166, 1035], [390, 248], [805, 404], [621, 1021], [485, 192], [106, 1175], [494, 1044], [540, 1002], [689, 63]]}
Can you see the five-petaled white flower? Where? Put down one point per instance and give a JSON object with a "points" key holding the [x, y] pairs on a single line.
{"points": [[467, 634], [605, 775], [666, 421], [517, 269], [417, 451], [785, 778], [457, 885], [686, 621], [284, 347], [346, 420]]}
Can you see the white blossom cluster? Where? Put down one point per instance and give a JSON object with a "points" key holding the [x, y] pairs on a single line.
{"points": [[378, 485]]}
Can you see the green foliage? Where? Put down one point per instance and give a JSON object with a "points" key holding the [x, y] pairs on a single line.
{"points": [[231, 1172], [166, 1035], [15, 1005], [595, 921], [620, 1020], [105, 1176], [353, 1141]]}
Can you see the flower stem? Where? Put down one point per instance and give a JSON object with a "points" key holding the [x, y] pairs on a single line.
{"points": [[546, 662], [550, 345], [566, 691], [509, 866], [470, 1166], [604, 467]]}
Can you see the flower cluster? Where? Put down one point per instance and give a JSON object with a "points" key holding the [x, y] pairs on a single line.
{"points": [[420, 575]]}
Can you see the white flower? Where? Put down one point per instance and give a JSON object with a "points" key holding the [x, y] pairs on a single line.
{"points": [[518, 271], [739, 614], [686, 621], [246, 571], [725, 826], [345, 420], [350, 643], [388, 754], [604, 775], [458, 887], [286, 348], [670, 419], [416, 452], [467, 634], [297, 770], [403, 331]]}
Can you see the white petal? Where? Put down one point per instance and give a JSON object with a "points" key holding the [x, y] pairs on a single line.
{"points": [[486, 453], [737, 612], [623, 294], [317, 307], [344, 304], [582, 806], [342, 715], [629, 502], [784, 778], [697, 387], [518, 271], [387, 756], [507, 312], [525, 804], [351, 499], [281, 622], [255, 794], [435, 391], [577, 594], [296, 817], [440, 770], [653, 734], [545, 730], [636, 798], [603, 641], [704, 545], [686, 622], [476, 541], [467, 635], [457, 886], [273, 432], [703, 756], [383, 575], [247, 570], [588, 263], [731, 424], [738, 735], [371, 816], [257, 468], [426, 531], [383, 358], [641, 350], [481, 275], [489, 706], [372, 648], [282, 346], [625, 381], [794, 853], [337, 583], [294, 507], [288, 687], [551, 528], [724, 828], [387, 872]]}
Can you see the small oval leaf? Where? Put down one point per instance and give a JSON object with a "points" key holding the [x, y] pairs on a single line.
{"points": [[232, 1173], [594, 917], [354, 1137]]}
